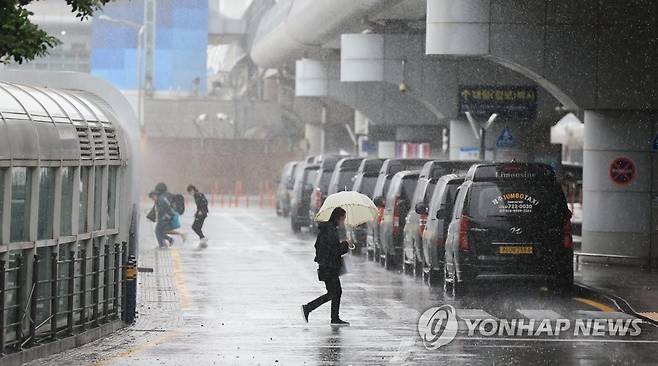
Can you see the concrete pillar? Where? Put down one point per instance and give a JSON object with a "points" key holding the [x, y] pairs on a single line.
{"points": [[362, 57], [313, 135], [619, 176], [457, 27], [311, 78], [463, 144]]}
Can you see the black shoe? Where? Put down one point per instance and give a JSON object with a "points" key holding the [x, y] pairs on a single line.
{"points": [[340, 322], [305, 313]]}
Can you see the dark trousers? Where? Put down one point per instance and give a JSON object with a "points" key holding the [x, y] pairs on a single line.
{"points": [[333, 293], [161, 232], [198, 225]]}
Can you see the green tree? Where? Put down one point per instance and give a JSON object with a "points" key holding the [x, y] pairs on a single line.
{"points": [[21, 40]]}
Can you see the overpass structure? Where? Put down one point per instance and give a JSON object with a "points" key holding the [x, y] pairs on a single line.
{"points": [[408, 70]]}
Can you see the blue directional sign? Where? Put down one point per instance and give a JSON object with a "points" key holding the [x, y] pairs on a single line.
{"points": [[505, 140], [515, 102]]}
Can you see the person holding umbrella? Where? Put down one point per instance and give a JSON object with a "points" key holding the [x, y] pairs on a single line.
{"points": [[339, 209]]}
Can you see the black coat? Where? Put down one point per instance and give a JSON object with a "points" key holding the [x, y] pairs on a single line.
{"points": [[201, 205], [328, 247]]}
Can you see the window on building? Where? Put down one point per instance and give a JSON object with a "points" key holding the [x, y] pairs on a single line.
{"points": [[46, 203], [84, 199], [98, 197], [42, 292], [111, 196], [21, 182], [66, 207]]}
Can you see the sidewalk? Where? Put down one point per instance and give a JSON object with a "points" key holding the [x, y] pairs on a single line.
{"points": [[159, 305], [638, 287]]}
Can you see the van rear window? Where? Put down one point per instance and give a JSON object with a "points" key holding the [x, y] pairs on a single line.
{"points": [[324, 180], [498, 200], [368, 185], [311, 176], [408, 187], [345, 180]]}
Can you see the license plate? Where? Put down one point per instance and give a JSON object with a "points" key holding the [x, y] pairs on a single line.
{"points": [[517, 249]]}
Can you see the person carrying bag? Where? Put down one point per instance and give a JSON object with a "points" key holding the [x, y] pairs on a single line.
{"points": [[328, 254]]}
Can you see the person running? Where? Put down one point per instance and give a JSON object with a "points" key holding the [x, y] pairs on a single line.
{"points": [[161, 214], [200, 214], [165, 216], [328, 252]]}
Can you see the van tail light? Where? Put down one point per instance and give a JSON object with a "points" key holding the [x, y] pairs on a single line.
{"points": [[380, 214], [396, 216], [318, 198], [567, 242], [422, 224], [464, 227]]}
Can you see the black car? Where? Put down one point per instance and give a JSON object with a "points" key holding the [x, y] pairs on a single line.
{"points": [[321, 187], [509, 220], [300, 199], [396, 208], [389, 168], [364, 182], [438, 213], [342, 179], [284, 188], [415, 221]]}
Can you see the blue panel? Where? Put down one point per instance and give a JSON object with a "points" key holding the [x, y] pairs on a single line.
{"points": [[181, 41]]}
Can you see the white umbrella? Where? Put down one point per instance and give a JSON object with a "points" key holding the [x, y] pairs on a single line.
{"points": [[358, 207]]}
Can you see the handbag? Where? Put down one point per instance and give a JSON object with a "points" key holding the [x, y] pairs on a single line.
{"points": [[346, 264]]}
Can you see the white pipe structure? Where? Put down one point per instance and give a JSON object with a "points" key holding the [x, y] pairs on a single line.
{"points": [[301, 30]]}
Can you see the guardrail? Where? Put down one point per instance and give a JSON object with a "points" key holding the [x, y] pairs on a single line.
{"points": [[75, 293], [646, 261]]}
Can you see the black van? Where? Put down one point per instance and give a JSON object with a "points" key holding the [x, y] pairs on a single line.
{"points": [[300, 198], [321, 187], [284, 188], [396, 208], [509, 220], [416, 220], [438, 213], [389, 168], [364, 183], [342, 178]]}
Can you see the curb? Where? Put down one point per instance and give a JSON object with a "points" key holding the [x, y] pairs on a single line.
{"points": [[61, 345]]}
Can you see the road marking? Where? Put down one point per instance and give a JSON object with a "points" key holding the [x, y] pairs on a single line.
{"points": [[539, 314], [604, 314], [142, 347], [571, 340], [595, 304], [404, 350], [180, 282], [473, 314]]}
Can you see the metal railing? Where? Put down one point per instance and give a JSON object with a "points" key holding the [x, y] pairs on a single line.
{"points": [[78, 292]]}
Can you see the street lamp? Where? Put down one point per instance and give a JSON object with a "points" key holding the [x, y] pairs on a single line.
{"points": [[140, 68], [480, 130]]}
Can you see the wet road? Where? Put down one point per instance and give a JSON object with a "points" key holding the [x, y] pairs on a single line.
{"points": [[237, 302]]}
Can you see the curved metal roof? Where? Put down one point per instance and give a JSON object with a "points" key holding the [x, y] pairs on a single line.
{"points": [[48, 124]]}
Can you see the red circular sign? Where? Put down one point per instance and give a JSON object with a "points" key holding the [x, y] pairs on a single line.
{"points": [[622, 170]]}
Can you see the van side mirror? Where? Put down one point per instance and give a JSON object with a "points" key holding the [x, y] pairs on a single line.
{"points": [[443, 213], [378, 201], [421, 208]]}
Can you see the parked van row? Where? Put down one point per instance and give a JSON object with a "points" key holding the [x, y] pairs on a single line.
{"points": [[449, 222]]}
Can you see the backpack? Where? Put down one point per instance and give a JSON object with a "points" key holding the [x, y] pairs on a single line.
{"points": [[178, 203]]}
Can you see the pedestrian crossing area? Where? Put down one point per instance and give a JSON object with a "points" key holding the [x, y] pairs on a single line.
{"points": [[393, 313]]}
